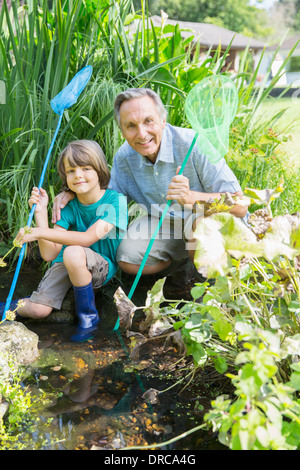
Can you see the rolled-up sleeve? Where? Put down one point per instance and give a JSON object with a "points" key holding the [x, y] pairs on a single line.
{"points": [[216, 178]]}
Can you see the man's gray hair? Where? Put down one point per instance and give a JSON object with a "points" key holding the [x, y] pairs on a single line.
{"points": [[133, 93]]}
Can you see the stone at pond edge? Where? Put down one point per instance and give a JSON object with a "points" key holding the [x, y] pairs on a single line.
{"points": [[18, 346]]}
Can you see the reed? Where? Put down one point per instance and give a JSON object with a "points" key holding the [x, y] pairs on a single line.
{"points": [[42, 48], [258, 152]]}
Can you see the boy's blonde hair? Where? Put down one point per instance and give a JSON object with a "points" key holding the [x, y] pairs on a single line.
{"points": [[82, 153]]}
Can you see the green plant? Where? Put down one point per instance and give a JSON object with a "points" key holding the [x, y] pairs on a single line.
{"points": [[257, 287], [41, 48], [262, 161], [16, 244], [246, 318], [35, 65], [265, 413], [63, 38], [262, 413], [20, 419], [257, 151]]}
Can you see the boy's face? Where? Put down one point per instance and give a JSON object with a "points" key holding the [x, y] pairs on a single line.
{"points": [[142, 126], [82, 180]]}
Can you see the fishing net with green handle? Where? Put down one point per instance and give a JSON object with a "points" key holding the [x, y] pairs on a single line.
{"points": [[210, 108]]}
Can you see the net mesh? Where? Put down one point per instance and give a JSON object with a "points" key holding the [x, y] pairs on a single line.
{"points": [[210, 108], [68, 96]]}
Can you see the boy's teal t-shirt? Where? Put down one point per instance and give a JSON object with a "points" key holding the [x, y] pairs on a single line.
{"points": [[112, 208]]}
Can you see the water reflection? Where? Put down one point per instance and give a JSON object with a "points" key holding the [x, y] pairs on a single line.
{"points": [[96, 403]]}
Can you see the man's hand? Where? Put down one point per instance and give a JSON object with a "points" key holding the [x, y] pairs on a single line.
{"points": [[60, 201], [179, 189]]}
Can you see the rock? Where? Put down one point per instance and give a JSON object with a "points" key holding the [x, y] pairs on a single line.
{"points": [[151, 396], [59, 316], [18, 346], [66, 314]]}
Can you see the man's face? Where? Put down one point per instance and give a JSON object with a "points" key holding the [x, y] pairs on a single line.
{"points": [[142, 126]]}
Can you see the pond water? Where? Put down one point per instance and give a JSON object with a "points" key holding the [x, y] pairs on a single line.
{"points": [[95, 392]]}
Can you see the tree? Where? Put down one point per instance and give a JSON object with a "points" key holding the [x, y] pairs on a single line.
{"points": [[236, 16], [293, 9]]}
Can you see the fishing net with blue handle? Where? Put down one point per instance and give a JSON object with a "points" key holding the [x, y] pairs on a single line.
{"points": [[68, 96]]}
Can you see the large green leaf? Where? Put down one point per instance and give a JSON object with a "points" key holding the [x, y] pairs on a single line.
{"points": [[219, 237], [278, 239], [222, 236]]}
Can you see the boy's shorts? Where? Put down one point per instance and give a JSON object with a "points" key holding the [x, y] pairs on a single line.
{"points": [[56, 283]]}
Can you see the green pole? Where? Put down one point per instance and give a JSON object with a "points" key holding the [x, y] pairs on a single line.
{"points": [[139, 273]]}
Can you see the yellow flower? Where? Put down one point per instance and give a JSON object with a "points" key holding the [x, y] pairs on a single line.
{"points": [[11, 316], [2, 263], [21, 303]]}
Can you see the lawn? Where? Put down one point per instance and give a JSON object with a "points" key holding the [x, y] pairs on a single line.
{"points": [[288, 123]]}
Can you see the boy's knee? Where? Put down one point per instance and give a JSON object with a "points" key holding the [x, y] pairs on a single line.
{"points": [[34, 310], [74, 254]]}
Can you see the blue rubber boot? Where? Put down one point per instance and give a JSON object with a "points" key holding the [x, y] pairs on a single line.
{"points": [[12, 307], [88, 317]]}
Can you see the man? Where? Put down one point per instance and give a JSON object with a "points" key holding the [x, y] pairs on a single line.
{"points": [[145, 169]]}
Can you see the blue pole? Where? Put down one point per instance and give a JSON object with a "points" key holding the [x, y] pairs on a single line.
{"points": [[21, 254]]}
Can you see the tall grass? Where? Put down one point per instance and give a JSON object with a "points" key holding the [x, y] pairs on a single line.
{"points": [[42, 48], [258, 152], [35, 64]]}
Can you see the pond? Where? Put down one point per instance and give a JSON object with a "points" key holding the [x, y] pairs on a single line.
{"points": [[97, 397]]}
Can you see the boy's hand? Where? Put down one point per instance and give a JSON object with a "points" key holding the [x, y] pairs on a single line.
{"points": [[60, 201], [40, 198], [26, 235]]}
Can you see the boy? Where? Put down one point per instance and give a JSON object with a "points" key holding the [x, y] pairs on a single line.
{"points": [[83, 244]]}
